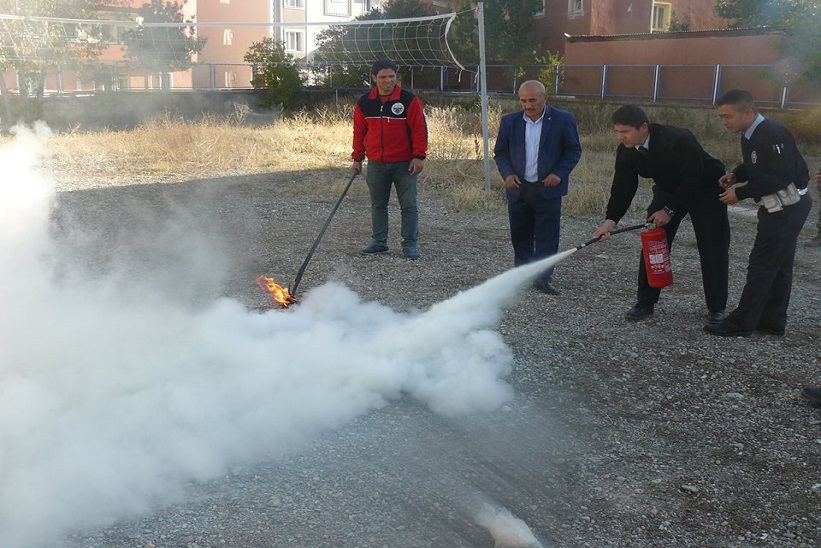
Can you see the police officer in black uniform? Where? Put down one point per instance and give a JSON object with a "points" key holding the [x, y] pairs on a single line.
{"points": [[776, 176]]}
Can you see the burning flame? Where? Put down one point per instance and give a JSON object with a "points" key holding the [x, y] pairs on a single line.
{"points": [[280, 294]]}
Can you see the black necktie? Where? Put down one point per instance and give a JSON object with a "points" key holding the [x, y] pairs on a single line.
{"points": [[643, 150]]}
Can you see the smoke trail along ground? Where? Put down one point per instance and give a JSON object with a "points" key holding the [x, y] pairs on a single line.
{"points": [[506, 529], [110, 402]]}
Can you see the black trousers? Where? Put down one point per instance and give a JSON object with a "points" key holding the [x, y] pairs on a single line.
{"points": [[712, 230], [766, 294]]}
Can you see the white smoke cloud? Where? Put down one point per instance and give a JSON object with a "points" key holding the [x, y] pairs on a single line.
{"points": [[110, 401], [507, 530]]}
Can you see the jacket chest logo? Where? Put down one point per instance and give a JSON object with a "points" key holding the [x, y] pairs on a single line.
{"points": [[753, 157], [397, 108]]}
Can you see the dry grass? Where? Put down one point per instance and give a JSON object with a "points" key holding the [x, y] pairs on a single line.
{"points": [[316, 145]]}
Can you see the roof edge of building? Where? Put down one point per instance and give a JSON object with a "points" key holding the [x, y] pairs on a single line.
{"points": [[671, 35]]}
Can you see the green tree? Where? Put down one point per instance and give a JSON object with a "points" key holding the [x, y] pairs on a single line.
{"points": [[162, 49], [336, 43], [401, 9], [766, 13], [464, 32], [804, 43], [677, 24], [510, 31], [33, 48], [550, 71], [799, 19], [274, 71]]}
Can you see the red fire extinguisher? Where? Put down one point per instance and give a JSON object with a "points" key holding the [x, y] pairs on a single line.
{"points": [[656, 257]]}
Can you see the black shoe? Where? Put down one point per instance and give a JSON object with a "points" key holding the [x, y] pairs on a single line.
{"points": [[374, 248], [547, 287], [726, 329], [812, 394], [639, 312], [777, 331], [716, 317]]}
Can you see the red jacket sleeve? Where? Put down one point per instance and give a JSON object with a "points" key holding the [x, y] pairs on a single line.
{"points": [[360, 128], [418, 128]]}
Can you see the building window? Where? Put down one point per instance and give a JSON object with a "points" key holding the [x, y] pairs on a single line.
{"points": [[227, 37], [661, 16], [294, 41], [575, 8], [161, 80], [299, 4], [338, 8]]}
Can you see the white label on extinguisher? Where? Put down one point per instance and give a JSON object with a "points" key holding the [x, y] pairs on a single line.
{"points": [[657, 258]]}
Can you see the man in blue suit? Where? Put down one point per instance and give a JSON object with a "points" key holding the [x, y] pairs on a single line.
{"points": [[535, 152]]}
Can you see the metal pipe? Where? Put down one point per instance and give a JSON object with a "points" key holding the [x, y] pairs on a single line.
{"points": [[620, 230], [716, 83], [292, 289], [656, 75], [483, 93]]}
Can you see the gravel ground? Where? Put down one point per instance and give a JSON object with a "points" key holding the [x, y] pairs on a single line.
{"points": [[618, 434]]}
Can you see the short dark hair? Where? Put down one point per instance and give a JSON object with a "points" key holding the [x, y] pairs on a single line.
{"points": [[630, 115], [741, 99], [383, 64]]}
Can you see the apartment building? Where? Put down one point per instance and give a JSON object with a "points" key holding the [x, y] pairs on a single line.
{"points": [[563, 18], [292, 22], [230, 27]]}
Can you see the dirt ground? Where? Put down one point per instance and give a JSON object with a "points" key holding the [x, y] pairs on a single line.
{"points": [[619, 434]]}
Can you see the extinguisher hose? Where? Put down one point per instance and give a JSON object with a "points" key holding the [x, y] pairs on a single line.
{"points": [[618, 231]]}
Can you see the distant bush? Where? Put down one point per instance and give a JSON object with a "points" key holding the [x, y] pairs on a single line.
{"points": [[274, 71]]}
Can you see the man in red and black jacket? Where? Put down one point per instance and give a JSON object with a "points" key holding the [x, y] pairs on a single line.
{"points": [[389, 129]]}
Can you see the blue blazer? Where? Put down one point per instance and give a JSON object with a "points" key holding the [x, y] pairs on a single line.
{"points": [[559, 149]]}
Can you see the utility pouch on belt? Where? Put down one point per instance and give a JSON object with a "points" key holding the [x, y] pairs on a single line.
{"points": [[778, 200]]}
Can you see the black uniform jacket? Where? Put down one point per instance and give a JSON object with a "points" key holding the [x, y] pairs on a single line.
{"points": [[676, 162], [771, 161]]}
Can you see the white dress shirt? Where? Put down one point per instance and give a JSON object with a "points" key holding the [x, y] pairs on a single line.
{"points": [[533, 134]]}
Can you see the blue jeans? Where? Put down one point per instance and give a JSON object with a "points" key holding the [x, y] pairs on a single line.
{"points": [[380, 176]]}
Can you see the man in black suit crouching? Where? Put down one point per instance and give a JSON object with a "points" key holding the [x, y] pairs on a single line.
{"points": [[685, 181]]}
